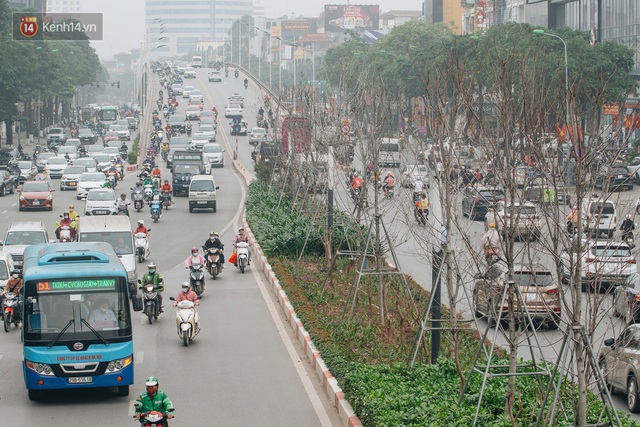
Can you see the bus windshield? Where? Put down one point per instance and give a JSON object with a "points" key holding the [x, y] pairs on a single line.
{"points": [[63, 310], [108, 114]]}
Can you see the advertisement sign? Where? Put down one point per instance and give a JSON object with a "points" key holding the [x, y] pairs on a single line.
{"points": [[480, 14], [340, 17], [298, 27]]}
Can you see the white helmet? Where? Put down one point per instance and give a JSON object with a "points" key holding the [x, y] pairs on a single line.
{"points": [[140, 222]]}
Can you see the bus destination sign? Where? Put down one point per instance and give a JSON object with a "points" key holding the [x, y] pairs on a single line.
{"points": [[76, 285]]}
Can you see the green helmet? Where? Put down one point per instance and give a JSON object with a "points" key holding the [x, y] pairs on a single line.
{"points": [[151, 381]]}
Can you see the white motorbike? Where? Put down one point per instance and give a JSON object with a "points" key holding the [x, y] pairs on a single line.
{"points": [[242, 257], [142, 246], [187, 321], [148, 192]]}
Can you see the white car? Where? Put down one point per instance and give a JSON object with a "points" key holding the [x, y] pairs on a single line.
{"points": [[68, 151], [89, 163], [414, 172], [103, 160], [186, 91], [603, 262], [257, 135], [28, 170], [192, 112], [233, 110], [100, 201], [198, 140], [123, 132], [600, 216], [189, 73], [69, 179], [196, 94], [212, 155], [88, 181], [55, 166], [215, 76], [209, 130], [75, 142]]}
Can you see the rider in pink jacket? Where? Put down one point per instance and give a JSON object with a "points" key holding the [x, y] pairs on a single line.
{"points": [[195, 258]]}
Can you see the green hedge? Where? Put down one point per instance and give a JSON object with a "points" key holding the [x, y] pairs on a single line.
{"points": [[132, 155]]}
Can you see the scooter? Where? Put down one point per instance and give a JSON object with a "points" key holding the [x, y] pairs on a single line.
{"points": [[627, 237], [165, 198], [242, 257], [65, 233], [138, 200], [187, 321], [422, 216], [142, 246], [155, 209], [196, 278], [11, 310], [213, 260], [153, 419], [122, 208], [150, 301], [148, 192]]}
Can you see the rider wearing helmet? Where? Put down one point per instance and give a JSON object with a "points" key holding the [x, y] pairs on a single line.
{"points": [[195, 258], [389, 182], [241, 237], [214, 242], [154, 278], [141, 228], [491, 242], [187, 295], [153, 399], [166, 187], [357, 182]]}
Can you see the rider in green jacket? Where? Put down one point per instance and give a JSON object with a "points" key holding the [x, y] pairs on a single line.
{"points": [[153, 400], [154, 278]]}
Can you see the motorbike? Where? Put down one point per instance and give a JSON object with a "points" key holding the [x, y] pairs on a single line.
{"points": [[155, 210], [65, 233], [148, 192], [165, 152], [213, 261], [150, 301], [388, 191], [142, 246], [138, 199], [11, 310], [491, 255], [196, 278], [153, 419], [188, 130], [422, 216], [165, 198], [246, 85], [122, 207], [123, 152], [187, 321], [627, 237], [242, 257], [236, 74]]}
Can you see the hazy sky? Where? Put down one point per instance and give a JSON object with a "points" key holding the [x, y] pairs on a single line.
{"points": [[124, 19]]}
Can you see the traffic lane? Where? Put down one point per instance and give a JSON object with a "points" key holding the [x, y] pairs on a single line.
{"points": [[238, 360]]}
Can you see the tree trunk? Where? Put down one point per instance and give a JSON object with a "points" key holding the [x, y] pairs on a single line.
{"points": [[8, 123]]}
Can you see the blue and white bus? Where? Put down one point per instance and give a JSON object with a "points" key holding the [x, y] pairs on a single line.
{"points": [[76, 318]]}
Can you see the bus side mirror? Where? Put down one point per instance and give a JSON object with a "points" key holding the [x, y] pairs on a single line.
{"points": [[136, 302]]}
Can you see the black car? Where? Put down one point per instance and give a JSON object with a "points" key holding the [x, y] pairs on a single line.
{"points": [[86, 136], [177, 122], [614, 179], [267, 153], [477, 200], [8, 183]]}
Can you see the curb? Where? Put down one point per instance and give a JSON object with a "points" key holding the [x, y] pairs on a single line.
{"points": [[329, 383]]}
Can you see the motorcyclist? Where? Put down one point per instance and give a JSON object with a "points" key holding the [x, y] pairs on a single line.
{"points": [[153, 399], [261, 111], [422, 207], [418, 188], [241, 237], [155, 197], [572, 221], [357, 182], [138, 188], [214, 242], [123, 147], [236, 73], [491, 242], [154, 278], [246, 82], [141, 228], [73, 215], [167, 189], [215, 111], [187, 295], [389, 182], [156, 172], [14, 285], [195, 258], [627, 228], [66, 221], [168, 130], [188, 126], [14, 169], [148, 181], [123, 204]]}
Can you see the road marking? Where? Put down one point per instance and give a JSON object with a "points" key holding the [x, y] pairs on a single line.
{"points": [[4, 211], [323, 417], [1, 357], [140, 357]]}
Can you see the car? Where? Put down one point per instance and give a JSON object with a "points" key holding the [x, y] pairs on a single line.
{"points": [[196, 94], [36, 195], [56, 135], [614, 179], [177, 88], [21, 234], [123, 132], [233, 110], [86, 136], [100, 201], [414, 172], [177, 122], [600, 216], [133, 123], [73, 142], [28, 171], [89, 163], [626, 299], [69, 152], [8, 183], [257, 135], [212, 155], [267, 153], [94, 149], [522, 219], [619, 362], [111, 135], [240, 129], [192, 112], [179, 141], [477, 200], [186, 91], [198, 139], [525, 177], [539, 291], [209, 131], [236, 98], [103, 160], [6, 267], [41, 159], [197, 102], [189, 73], [69, 179], [603, 262], [88, 181], [215, 76], [113, 152], [208, 121], [55, 166]]}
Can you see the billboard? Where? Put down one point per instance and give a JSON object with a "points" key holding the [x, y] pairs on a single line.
{"points": [[297, 27], [340, 17]]}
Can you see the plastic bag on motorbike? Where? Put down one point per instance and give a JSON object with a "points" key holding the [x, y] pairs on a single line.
{"points": [[232, 259]]}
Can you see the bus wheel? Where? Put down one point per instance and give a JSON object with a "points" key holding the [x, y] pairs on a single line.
{"points": [[123, 391]]}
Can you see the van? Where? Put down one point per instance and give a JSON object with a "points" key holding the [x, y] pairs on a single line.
{"points": [[600, 216], [202, 192], [389, 153], [6, 267], [115, 230], [20, 235], [196, 61]]}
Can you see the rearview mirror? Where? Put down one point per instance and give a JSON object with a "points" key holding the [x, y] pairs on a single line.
{"points": [[172, 298], [609, 342]]}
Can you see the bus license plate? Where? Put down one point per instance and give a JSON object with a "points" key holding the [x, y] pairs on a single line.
{"points": [[80, 380]]}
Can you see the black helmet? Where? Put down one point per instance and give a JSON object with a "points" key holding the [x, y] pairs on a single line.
{"points": [[123, 196]]}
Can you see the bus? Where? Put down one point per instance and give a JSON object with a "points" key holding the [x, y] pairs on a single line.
{"points": [[77, 330], [196, 62], [108, 114]]}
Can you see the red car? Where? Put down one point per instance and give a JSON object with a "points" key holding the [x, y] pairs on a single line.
{"points": [[111, 135], [36, 195]]}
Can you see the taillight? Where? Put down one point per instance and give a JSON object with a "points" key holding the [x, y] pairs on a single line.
{"points": [[553, 291]]}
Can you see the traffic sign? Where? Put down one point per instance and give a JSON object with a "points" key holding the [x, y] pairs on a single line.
{"points": [[345, 138], [346, 129]]}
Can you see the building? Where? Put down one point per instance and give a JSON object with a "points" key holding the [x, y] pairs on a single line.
{"points": [[63, 6], [175, 27], [451, 12], [37, 5], [395, 18]]}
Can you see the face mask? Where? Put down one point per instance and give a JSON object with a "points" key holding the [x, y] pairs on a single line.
{"points": [[103, 309], [212, 238], [194, 255], [185, 290], [15, 276]]}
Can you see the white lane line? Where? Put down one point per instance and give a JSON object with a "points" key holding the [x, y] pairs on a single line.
{"points": [[323, 417], [1, 357], [140, 357], [5, 211]]}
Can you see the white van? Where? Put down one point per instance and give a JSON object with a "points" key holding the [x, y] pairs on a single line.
{"points": [[116, 230], [600, 216], [389, 153], [196, 61], [202, 192], [6, 267]]}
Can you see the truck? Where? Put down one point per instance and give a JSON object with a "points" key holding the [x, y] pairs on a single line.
{"points": [[185, 165]]}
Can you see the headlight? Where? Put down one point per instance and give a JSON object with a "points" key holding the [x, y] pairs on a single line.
{"points": [[40, 368], [49, 197], [117, 365]]}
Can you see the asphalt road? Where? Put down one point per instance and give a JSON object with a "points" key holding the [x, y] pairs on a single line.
{"points": [[242, 369]]}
